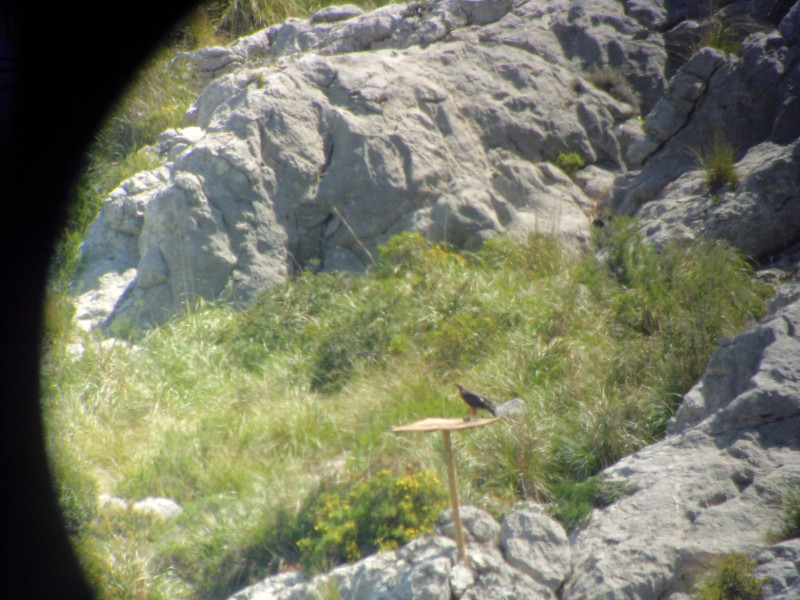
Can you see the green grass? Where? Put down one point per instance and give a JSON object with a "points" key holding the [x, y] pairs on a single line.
{"points": [[789, 527], [246, 418], [724, 35], [718, 161]]}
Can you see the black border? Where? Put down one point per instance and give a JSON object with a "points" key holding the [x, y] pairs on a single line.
{"points": [[62, 65]]}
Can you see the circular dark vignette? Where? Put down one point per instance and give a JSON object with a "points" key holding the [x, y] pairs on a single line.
{"points": [[61, 67]]}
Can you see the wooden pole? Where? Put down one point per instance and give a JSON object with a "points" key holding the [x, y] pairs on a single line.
{"points": [[451, 478], [446, 425]]}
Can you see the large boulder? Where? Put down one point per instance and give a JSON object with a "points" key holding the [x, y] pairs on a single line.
{"points": [[309, 152], [714, 485], [537, 545], [760, 214]]}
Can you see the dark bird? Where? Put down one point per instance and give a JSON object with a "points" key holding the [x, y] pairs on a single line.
{"points": [[475, 402]]}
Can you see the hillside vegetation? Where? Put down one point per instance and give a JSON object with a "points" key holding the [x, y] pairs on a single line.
{"points": [[271, 427]]}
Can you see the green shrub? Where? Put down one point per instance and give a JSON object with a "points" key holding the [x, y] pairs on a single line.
{"points": [[732, 579], [370, 516], [570, 163]]}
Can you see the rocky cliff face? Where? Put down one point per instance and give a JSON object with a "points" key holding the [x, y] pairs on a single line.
{"points": [[317, 140], [306, 147]]}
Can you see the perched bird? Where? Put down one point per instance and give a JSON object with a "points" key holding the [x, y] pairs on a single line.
{"points": [[475, 402]]}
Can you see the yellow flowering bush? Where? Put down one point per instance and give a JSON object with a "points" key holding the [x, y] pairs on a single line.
{"points": [[370, 516]]}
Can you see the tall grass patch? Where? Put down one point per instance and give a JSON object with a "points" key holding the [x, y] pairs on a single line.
{"points": [[718, 161], [271, 427]]}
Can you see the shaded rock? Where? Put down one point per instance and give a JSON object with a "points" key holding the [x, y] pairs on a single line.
{"points": [[769, 10], [790, 24], [778, 567], [536, 545], [713, 97]]}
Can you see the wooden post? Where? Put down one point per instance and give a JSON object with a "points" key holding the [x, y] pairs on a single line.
{"points": [[451, 478], [446, 425]]}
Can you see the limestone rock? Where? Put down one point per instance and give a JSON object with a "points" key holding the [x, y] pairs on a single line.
{"points": [[713, 98], [421, 569], [760, 214], [790, 24], [751, 380], [779, 570], [333, 14], [479, 526], [461, 579], [536, 545], [710, 488]]}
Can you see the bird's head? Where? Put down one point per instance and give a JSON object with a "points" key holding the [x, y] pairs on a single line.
{"points": [[460, 387]]}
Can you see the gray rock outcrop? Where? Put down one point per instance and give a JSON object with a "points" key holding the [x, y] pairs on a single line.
{"points": [[305, 148], [712, 487], [779, 571], [537, 545], [760, 215], [428, 567], [748, 104]]}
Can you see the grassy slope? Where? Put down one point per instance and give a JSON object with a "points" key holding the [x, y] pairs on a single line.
{"points": [[241, 418]]}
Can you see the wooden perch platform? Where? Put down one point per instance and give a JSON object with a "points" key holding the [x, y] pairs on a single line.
{"points": [[440, 424], [446, 426]]}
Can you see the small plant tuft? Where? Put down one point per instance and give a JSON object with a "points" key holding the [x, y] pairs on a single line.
{"points": [[718, 161], [732, 579], [570, 163], [612, 81]]}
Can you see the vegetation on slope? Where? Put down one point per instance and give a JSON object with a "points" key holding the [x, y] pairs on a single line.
{"points": [[271, 427]]}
